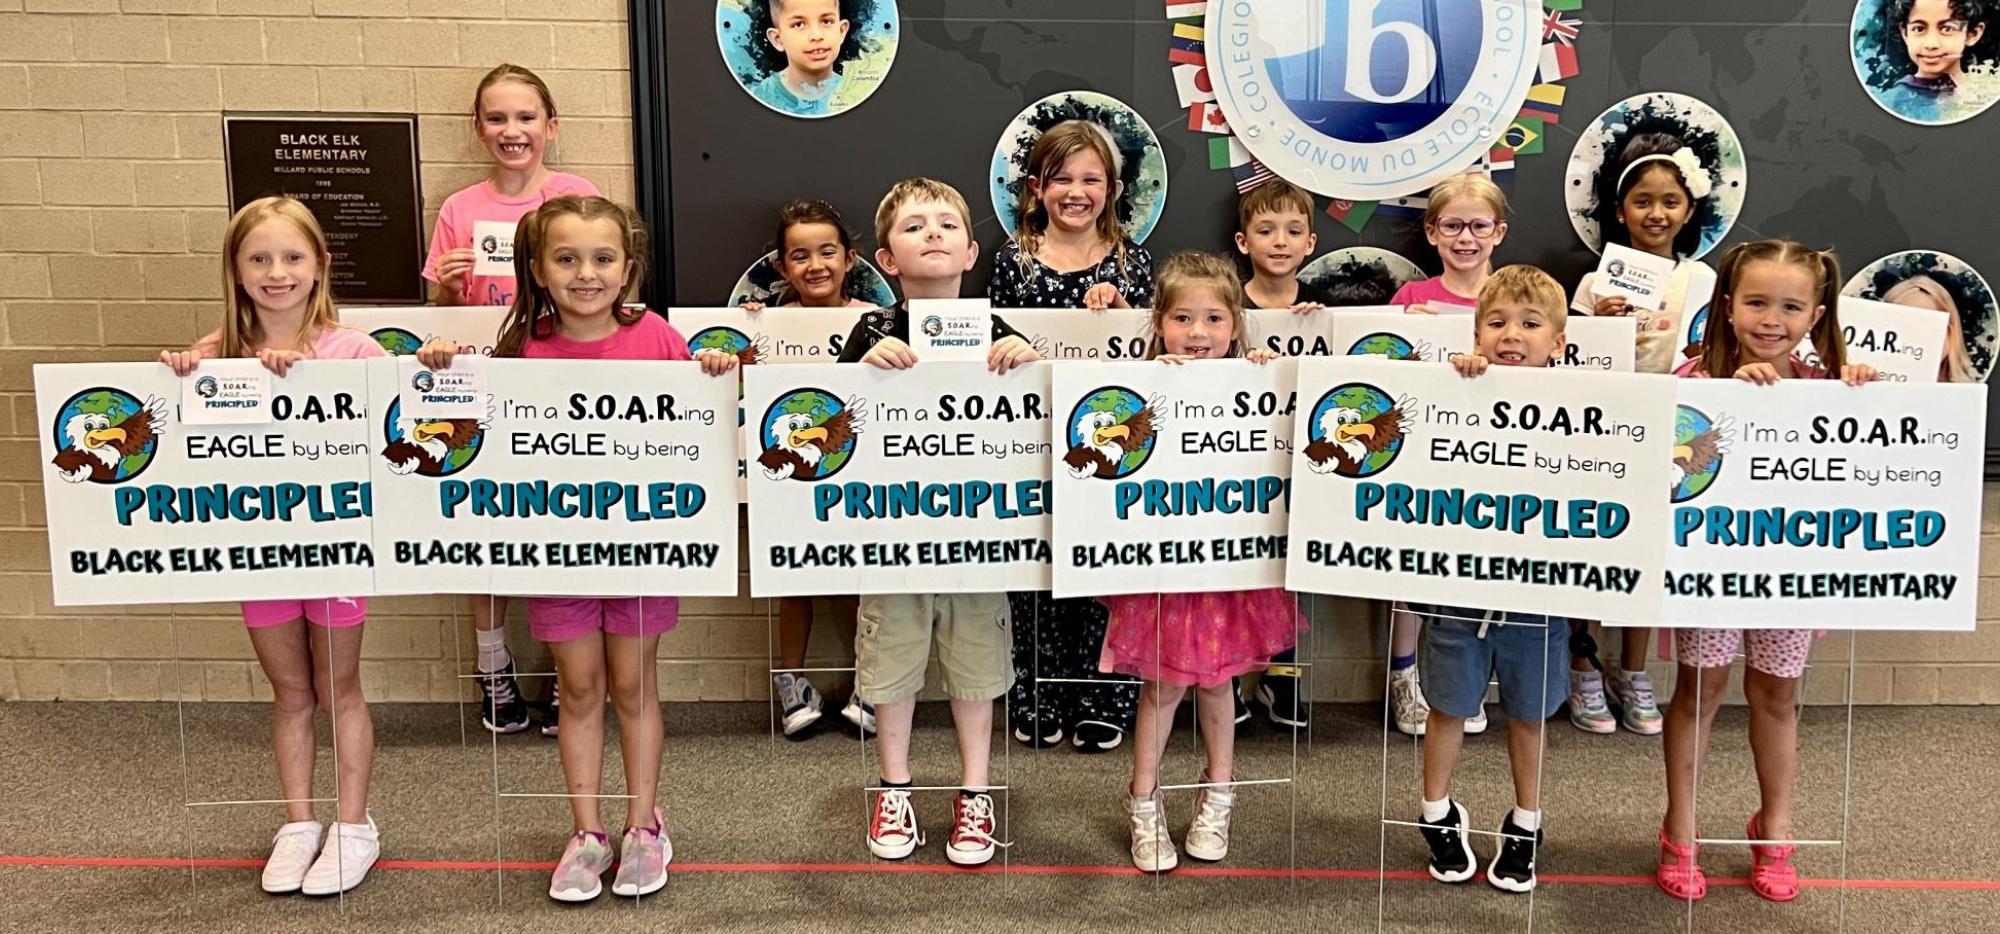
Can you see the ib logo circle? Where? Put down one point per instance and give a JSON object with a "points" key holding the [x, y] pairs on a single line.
{"points": [[430, 447], [423, 381], [206, 387], [1110, 434], [806, 434], [1356, 431], [1371, 99], [397, 342], [106, 435], [1699, 445]]}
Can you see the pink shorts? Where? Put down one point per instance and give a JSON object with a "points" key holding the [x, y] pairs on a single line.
{"points": [[1777, 652], [331, 612], [560, 619]]}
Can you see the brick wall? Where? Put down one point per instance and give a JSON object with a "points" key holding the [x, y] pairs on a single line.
{"points": [[112, 207]]}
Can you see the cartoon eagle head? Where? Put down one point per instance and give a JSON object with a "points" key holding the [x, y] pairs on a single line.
{"points": [[94, 445], [1106, 441], [428, 442], [1346, 439], [1699, 453], [802, 446]]}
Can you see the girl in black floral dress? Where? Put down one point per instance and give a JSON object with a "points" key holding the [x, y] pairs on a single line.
{"points": [[1069, 253]]}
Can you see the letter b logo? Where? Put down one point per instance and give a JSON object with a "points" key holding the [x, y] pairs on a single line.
{"points": [[1364, 33]]}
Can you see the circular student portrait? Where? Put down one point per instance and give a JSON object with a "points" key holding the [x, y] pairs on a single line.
{"points": [[1358, 274], [1930, 62], [808, 58], [1709, 159], [1929, 279], [1142, 169], [763, 282]]}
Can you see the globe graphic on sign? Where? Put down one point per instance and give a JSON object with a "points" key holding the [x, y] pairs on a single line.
{"points": [[1356, 417], [1384, 344], [93, 422], [451, 443], [1698, 452], [807, 434], [1108, 436], [397, 341]]}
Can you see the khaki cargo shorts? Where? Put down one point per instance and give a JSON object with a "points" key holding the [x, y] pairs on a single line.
{"points": [[972, 634]]}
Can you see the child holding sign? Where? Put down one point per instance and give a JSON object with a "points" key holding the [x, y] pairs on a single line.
{"points": [[1070, 252], [927, 244], [576, 258], [280, 310], [1201, 640], [514, 116], [1520, 322], [1465, 218], [815, 254], [1661, 187], [1772, 294]]}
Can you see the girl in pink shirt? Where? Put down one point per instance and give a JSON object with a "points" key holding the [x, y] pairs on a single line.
{"points": [[576, 258], [281, 311]]}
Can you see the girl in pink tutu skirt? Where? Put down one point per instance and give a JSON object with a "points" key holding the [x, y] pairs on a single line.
{"points": [[1178, 641]]}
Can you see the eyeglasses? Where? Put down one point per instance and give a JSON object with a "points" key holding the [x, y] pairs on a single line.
{"points": [[1482, 229], [1950, 29]]}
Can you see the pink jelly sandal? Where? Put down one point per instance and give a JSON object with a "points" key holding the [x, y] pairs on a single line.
{"points": [[1680, 877], [1774, 880]]}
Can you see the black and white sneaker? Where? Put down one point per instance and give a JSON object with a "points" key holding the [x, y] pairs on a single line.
{"points": [[1279, 695], [1452, 859], [1035, 732], [1513, 868], [500, 705], [1242, 708], [552, 714], [800, 703], [1096, 736]]}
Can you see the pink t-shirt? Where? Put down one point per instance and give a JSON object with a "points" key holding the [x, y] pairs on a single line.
{"points": [[345, 343], [649, 338], [1431, 292], [1692, 369], [481, 203]]}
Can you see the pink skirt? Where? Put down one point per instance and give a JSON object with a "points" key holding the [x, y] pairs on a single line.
{"points": [[1198, 639]]}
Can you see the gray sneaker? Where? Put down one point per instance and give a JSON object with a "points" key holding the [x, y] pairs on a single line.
{"points": [[579, 877], [643, 856]]}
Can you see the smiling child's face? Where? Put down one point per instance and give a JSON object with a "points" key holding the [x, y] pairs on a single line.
{"points": [[1512, 331], [815, 263], [809, 32], [583, 265], [1466, 251], [1278, 242], [1198, 324], [277, 265], [1773, 308], [1076, 192], [1936, 38], [1655, 209]]}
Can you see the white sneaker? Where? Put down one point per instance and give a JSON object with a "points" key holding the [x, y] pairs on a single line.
{"points": [[798, 701], [292, 852], [1208, 836], [1406, 702], [860, 713], [1476, 725], [1152, 846], [350, 851]]}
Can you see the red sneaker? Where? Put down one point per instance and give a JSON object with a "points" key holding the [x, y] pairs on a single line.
{"points": [[972, 840], [892, 833]]}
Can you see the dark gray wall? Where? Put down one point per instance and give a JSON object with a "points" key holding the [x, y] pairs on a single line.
{"points": [[1826, 165]]}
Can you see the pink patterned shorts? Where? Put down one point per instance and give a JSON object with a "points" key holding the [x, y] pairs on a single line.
{"points": [[1777, 652]]}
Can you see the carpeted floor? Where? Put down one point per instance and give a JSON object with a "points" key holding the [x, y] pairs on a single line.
{"points": [[768, 833]]}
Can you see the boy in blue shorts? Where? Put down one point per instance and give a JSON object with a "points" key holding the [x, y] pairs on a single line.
{"points": [[1520, 322]]}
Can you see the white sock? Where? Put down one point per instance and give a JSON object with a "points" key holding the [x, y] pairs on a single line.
{"points": [[1435, 811], [1629, 672], [492, 649], [1529, 821]]}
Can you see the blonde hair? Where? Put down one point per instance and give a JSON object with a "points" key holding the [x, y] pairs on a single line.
{"points": [[1051, 150], [1719, 349], [917, 189], [508, 72], [534, 312], [1273, 197], [1472, 185], [1957, 363], [1523, 283], [1186, 272], [240, 330]]}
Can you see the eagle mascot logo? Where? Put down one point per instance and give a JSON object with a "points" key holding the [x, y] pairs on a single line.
{"points": [[430, 447], [1111, 433], [106, 435], [808, 434], [1390, 346], [1699, 444], [1356, 430]]}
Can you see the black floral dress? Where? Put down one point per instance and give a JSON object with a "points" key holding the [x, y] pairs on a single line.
{"points": [[1061, 638]]}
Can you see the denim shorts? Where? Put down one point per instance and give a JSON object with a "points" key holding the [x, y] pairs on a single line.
{"points": [[1528, 653]]}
